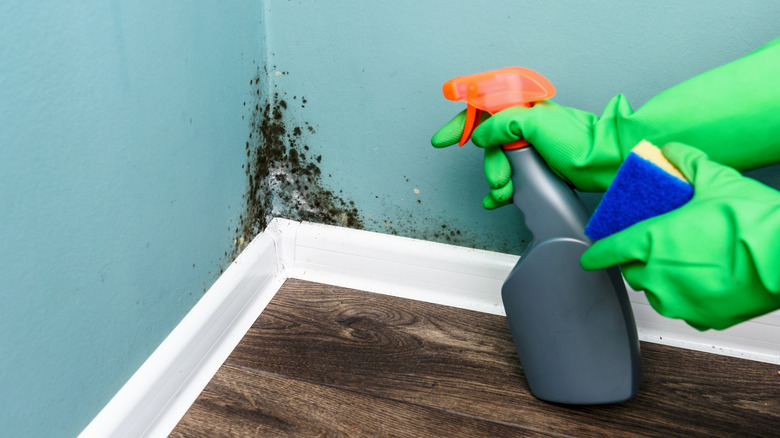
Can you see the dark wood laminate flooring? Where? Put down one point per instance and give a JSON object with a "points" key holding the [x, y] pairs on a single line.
{"points": [[328, 361]]}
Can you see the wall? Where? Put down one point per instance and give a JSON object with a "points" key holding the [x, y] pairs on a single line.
{"points": [[139, 140], [122, 139], [371, 78]]}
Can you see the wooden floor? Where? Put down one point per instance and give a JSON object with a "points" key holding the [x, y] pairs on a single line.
{"points": [[329, 361]]}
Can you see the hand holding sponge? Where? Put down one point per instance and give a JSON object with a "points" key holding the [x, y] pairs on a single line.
{"points": [[646, 185], [714, 261]]}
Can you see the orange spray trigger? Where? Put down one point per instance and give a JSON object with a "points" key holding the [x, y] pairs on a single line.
{"points": [[473, 115], [495, 90]]}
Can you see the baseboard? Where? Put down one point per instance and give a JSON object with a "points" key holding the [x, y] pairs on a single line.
{"points": [[153, 401], [155, 398]]}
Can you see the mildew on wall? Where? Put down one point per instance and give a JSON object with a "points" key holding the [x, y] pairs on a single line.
{"points": [[283, 177]]}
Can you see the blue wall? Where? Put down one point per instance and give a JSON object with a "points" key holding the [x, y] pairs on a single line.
{"points": [[121, 184], [128, 132], [372, 73]]}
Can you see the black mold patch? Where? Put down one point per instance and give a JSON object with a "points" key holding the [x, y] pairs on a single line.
{"points": [[413, 218], [428, 229], [282, 179]]}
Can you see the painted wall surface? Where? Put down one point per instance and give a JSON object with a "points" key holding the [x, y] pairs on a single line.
{"points": [[139, 139], [371, 76], [122, 139]]}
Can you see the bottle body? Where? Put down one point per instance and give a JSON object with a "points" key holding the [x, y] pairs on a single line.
{"points": [[574, 330]]}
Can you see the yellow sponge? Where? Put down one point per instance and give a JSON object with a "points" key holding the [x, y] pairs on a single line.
{"points": [[653, 154]]}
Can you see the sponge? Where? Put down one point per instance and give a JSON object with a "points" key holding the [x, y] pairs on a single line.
{"points": [[646, 185]]}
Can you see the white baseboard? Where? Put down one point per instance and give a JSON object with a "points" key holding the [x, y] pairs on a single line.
{"points": [[155, 398], [153, 401]]}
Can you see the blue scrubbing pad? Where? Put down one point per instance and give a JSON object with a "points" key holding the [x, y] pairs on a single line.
{"points": [[646, 185]]}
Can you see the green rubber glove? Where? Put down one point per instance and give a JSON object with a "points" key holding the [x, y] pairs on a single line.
{"points": [[498, 172], [732, 113], [715, 261]]}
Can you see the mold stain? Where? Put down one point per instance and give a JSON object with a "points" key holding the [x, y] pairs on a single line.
{"points": [[415, 219], [284, 180], [283, 177]]}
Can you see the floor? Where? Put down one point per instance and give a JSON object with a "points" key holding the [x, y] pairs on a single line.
{"points": [[328, 361]]}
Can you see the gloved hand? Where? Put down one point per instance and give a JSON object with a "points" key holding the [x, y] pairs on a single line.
{"points": [[565, 137], [497, 169], [738, 103], [715, 261]]}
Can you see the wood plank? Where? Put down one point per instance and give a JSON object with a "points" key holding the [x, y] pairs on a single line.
{"points": [[240, 402], [464, 362]]}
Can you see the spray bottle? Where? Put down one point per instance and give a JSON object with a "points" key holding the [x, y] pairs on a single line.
{"points": [[574, 330]]}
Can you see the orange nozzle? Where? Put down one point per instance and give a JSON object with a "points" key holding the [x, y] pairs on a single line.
{"points": [[495, 90]]}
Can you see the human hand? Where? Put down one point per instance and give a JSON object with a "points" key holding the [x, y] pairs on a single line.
{"points": [[498, 172], [579, 146], [713, 262]]}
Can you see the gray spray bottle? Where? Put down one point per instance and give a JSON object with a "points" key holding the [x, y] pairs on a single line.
{"points": [[574, 330]]}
